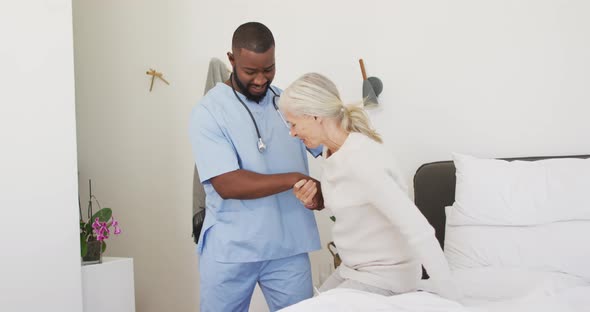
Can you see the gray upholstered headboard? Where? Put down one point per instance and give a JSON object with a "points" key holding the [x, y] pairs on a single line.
{"points": [[434, 189]]}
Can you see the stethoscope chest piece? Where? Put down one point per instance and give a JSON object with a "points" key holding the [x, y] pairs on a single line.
{"points": [[261, 145]]}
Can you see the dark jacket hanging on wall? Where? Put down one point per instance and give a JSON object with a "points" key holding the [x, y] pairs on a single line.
{"points": [[217, 72]]}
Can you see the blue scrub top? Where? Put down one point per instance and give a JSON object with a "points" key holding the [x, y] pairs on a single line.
{"points": [[224, 139]]}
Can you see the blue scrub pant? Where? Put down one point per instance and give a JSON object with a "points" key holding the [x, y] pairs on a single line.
{"points": [[229, 286]]}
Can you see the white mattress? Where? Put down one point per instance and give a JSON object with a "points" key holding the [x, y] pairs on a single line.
{"points": [[485, 290]]}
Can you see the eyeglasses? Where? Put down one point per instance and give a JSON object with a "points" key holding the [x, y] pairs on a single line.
{"points": [[274, 103]]}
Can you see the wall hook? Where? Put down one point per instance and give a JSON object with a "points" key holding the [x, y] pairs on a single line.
{"points": [[155, 74]]}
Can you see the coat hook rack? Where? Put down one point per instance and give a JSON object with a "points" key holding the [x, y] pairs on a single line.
{"points": [[155, 74]]}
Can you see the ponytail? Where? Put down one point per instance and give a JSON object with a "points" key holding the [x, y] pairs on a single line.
{"points": [[355, 119]]}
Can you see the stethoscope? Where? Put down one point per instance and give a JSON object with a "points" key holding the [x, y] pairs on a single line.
{"points": [[261, 145]]}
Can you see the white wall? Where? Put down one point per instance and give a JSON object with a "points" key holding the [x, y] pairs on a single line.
{"points": [[39, 236], [492, 78], [133, 144]]}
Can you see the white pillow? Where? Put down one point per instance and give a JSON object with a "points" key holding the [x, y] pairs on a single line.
{"points": [[555, 247], [498, 192], [528, 215]]}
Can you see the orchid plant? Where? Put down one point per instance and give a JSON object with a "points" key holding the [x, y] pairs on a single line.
{"points": [[98, 226], [98, 230]]}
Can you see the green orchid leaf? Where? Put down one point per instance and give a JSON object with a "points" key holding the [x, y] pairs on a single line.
{"points": [[104, 246], [88, 228], [103, 215], [83, 246]]}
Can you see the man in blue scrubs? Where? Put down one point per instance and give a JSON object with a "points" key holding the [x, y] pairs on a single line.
{"points": [[255, 229]]}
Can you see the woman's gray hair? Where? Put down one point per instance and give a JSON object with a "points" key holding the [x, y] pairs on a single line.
{"points": [[314, 94]]}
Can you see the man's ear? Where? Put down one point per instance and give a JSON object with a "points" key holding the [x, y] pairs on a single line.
{"points": [[230, 57]]}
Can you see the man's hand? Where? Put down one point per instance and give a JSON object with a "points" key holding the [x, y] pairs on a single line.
{"points": [[309, 193]]}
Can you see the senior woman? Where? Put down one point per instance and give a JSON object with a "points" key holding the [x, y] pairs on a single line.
{"points": [[382, 237]]}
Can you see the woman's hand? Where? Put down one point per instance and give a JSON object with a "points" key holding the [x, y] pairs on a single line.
{"points": [[309, 193]]}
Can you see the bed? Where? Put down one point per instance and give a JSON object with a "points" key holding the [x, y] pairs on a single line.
{"points": [[513, 230]]}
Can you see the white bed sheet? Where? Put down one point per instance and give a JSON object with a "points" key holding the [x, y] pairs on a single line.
{"points": [[351, 300], [486, 290], [575, 299], [490, 284]]}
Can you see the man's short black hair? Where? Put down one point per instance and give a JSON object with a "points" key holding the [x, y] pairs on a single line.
{"points": [[252, 36]]}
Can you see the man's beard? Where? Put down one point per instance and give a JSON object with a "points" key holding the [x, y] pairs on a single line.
{"points": [[244, 90]]}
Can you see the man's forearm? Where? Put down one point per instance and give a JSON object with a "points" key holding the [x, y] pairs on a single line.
{"points": [[244, 184]]}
